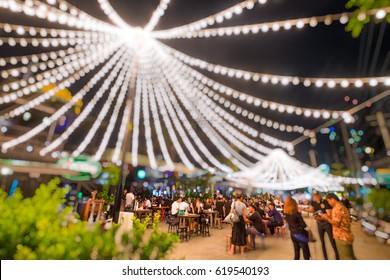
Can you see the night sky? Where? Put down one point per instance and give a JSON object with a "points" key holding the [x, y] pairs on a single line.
{"points": [[323, 51]]}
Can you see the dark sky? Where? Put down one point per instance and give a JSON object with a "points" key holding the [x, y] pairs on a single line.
{"points": [[323, 51]]}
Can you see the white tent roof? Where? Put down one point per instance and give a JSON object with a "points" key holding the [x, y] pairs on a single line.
{"points": [[279, 171]]}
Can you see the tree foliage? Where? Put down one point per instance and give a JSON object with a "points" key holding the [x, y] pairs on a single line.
{"points": [[380, 200], [113, 173], [41, 228], [356, 23]]}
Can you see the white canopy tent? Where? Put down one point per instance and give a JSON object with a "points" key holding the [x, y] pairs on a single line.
{"points": [[279, 171]]}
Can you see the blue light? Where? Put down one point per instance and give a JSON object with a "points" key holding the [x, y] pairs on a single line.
{"points": [[331, 128], [141, 174], [14, 185]]}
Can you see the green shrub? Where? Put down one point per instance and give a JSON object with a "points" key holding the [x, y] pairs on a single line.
{"points": [[41, 228]]}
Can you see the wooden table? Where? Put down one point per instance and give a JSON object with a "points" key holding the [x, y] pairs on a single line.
{"points": [[186, 219], [211, 214], [161, 209], [141, 213]]}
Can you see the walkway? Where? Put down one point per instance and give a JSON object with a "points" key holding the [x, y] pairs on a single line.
{"points": [[275, 248]]}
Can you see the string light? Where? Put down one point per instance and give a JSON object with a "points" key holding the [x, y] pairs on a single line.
{"points": [[175, 106], [276, 79], [113, 15], [60, 112], [157, 14], [275, 106], [47, 95], [111, 125], [200, 31], [123, 77], [251, 116], [87, 110], [53, 14], [219, 143], [51, 76], [208, 21]]}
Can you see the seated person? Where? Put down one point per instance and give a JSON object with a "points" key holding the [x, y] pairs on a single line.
{"points": [[275, 219], [179, 205], [256, 226]]}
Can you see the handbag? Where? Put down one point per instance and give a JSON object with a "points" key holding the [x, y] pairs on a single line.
{"points": [[233, 216]]}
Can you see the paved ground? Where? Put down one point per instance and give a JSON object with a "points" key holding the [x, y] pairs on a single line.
{"points": [[275, 248]]}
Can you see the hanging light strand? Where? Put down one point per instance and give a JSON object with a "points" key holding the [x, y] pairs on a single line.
{"points": [[67, 64], [146, 119], [279, 79], [52, 14], [23, 30], [95, 61], [157, 14], [48, 59], [124, 76], [173, 104], [114, 116], [270, 105], [52, 76], [245, 113], [156, 119], [264, 27], [113, 15], [60, 112], [208, 21], [87, 110], [218, 142]]}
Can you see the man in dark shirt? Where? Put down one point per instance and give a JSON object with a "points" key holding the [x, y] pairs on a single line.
{"points": [[321, 206], [275, 219], [256, 226]]}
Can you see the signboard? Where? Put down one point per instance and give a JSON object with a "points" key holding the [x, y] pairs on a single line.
{"points": [[86, 166]]}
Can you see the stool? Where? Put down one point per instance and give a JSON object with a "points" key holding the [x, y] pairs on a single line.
{"points": [[228, 241], [280, 229], [218, 223], [205, 229], [173, 228], [182, 232]]}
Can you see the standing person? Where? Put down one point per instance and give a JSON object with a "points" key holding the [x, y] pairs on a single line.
{"points": [[321, 206], [129, 201], [220, 207], [228, 205], [275, 219], [238, 229], [297, 225], [341, 222], [256, 226], [345, 202]]}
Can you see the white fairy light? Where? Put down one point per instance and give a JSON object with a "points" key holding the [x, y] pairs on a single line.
{"points": [[180, 31], [192, 132], [275, 79], [69, 68], [157, 14], [83, 114], [48, 121], [105, 109]]}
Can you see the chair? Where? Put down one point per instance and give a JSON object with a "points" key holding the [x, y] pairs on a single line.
{"points": [[182, 232], [281, 230], [262, 236], [173, 224], [205, 229]]}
